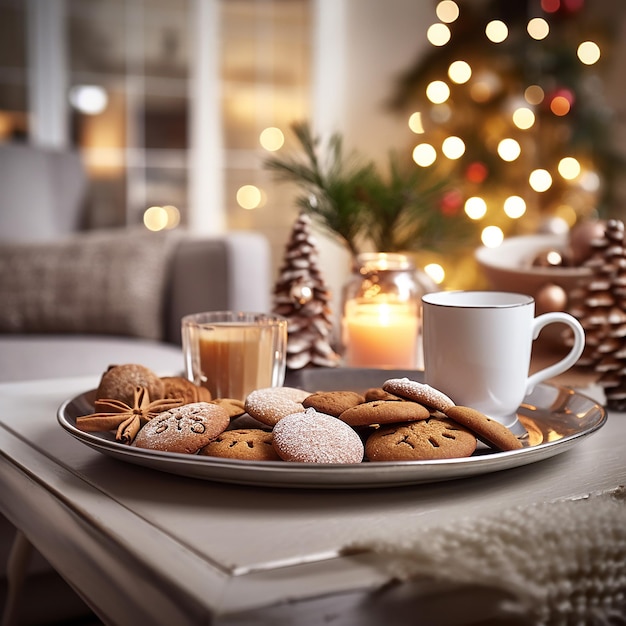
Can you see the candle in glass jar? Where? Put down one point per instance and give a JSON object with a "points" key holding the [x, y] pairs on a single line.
{"points": [[381, 334]]}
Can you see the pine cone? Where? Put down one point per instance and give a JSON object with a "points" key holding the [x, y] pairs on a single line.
{"points": [[301, 296]]}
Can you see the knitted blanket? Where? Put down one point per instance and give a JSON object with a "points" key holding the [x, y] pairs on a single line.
{"points": [[556, 563]]}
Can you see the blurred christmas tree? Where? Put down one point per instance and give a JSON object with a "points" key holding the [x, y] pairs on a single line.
{"points": [[509, 103]]}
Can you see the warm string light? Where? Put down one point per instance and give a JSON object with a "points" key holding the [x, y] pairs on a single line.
{"points": [[251, 197], [156, 218], [483, 86]]}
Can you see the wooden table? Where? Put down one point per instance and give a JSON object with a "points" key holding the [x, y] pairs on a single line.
{"points": [[147, 547]]}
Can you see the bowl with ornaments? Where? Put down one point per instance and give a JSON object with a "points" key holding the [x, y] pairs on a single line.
{"points": [[544, 266]]}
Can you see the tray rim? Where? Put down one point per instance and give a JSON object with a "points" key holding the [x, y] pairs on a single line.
{"points": [[335, 476]]}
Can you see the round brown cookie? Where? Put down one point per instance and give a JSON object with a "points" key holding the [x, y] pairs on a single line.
{"points": [[271, 404], [251, 444], [179, 387], [384, 412], [233, 407], [333, 402], [247, 421], [119, 382], [378, 393], [426, 440], [313, 437], [418, 392], [494, 434], [183, 429]]}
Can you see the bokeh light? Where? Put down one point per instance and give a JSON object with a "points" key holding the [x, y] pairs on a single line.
{"points": [[523, 118], [453, 147], [496, 31], [447, 11], [437, 91], [438, 34], [156, 218], [509, 149], [415, 123], [588, 52], [569, 168], [538, 28], [514, 207], [540, 180], [475, 208], [459, 72], [534, 94], [249, 197], [424, 154], [492, 236], [436, 272], [272, 139]]}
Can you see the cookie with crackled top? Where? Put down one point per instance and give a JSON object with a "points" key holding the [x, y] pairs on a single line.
{"points": [[426, 440], [120, 381]]}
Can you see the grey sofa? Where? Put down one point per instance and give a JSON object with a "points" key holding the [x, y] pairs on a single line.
{"points": [[75, 305]]}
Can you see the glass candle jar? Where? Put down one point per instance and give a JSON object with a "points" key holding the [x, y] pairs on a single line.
{"points": [[381, 323]]}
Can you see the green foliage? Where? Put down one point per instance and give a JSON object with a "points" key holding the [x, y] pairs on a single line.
{"points": [[351, 199]]}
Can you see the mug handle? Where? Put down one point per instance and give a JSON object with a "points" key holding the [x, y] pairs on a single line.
{"points": [[566, 362]]}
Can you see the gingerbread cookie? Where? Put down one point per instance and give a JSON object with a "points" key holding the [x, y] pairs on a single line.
{"points": [[384, 412], [234, 407], [250, 444], [418, 392], [271, 404], [312, 437], [426, 440], [120, 381], [494, 434], [333, 402], [378, 393], [184, 429], [179, 387]]}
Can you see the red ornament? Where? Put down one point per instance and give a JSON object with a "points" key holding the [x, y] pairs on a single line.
{"points": [[476, 172], [572, 6], [451, 202]]}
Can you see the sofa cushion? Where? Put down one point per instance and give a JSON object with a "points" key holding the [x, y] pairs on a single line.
{"points": [[101, 282]]}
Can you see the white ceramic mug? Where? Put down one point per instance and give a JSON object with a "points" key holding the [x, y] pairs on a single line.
{"points": [[477, 348]]}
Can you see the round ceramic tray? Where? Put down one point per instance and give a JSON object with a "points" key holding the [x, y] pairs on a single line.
{"points": [[551, 420]]}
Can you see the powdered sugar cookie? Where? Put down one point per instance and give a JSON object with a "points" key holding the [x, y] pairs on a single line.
{"points": [[183, 429], [418, 392], [271, 404], [313, 437]]}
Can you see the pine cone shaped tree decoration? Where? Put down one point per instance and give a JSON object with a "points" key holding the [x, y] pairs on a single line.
{"points": [[301, 296], [600, 306]]}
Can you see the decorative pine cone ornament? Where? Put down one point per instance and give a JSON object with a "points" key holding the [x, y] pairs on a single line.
{"points": [[301, 296], [600, 306]]}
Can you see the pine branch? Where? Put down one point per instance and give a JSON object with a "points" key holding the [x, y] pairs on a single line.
{"points": [[353, 201], [331, 191]]}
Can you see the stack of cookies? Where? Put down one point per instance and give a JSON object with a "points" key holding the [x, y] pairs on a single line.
{"points": [[402, 420]]}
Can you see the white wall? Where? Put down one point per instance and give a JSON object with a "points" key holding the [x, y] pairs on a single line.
{"points": [[360, 49]]}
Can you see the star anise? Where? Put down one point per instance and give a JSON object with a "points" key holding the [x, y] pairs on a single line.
{"points": [[115, 414]]}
